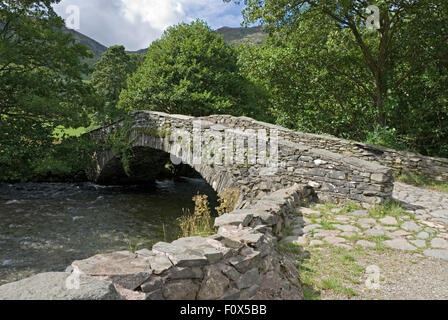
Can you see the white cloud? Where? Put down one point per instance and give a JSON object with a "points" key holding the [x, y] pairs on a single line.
{"points": [[136, 23]]}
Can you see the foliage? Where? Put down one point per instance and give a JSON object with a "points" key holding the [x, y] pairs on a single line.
{"points": [[41, 85], [120, 142], [199, 223], [386, 137], [109, 79], [66, 161], [327, 73], [191, 70], [227, 201]]}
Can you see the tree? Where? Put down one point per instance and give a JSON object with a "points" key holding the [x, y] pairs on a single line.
{"points": [[390, 77], [109, 79], [191, 70], [40, 83]]}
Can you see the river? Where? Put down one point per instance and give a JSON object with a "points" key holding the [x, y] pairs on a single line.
{"points": [[46, 226]]}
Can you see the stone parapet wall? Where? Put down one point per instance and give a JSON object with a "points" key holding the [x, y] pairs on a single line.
{"points": [[334, 176], [240, 262], [400, 161]]}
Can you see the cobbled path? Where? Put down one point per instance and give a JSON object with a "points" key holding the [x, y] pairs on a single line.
{"points": [[421, 232]]}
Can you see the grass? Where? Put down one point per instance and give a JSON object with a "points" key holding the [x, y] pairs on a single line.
{"points": [[423, 181], [391, 208], [329, 269]]}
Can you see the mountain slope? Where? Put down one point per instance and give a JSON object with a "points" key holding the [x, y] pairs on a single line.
{"points": [[254, 35], [234, 36]]}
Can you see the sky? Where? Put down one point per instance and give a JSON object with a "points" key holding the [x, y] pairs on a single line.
{"points": [[136, 23]]}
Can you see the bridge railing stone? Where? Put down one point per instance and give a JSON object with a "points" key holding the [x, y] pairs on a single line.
{"points": [[399, 161]]}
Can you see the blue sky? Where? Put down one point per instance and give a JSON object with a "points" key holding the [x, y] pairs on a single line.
{"points": [[136, 23]]}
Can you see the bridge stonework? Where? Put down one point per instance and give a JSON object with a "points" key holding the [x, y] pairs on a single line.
{"points": [[333, 176]]}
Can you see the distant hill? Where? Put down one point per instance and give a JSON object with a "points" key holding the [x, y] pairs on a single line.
{"points": [[97, 48], [236, 36]]}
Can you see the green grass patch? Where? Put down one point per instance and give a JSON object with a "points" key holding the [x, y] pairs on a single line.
{"points": [[290, 248], [330, 269], [337, 286], [391, 208]]}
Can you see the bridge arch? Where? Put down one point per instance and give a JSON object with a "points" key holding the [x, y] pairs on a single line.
{"points": [[259, 160]]}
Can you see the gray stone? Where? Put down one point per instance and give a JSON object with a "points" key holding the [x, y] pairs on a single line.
{"points": [[53, 286], [310, 212], [295, 240], [423, 235], [152, 284], [230, 272], [254, 238], [250, 278], [334, 240], [214, 285], [439, 243], [440, 213], [367, 221], [177, 273], [436, 253], [246, 261], [123, 268], [389, 221], [266, 218], [180, 290], [155, 295], [311, 227], [314, 243], [233, 219], [359, 213], [366, 244], [249, 293], [410, 226], [400, 244], [188, 258], [212, 249], [297, 232], [346, 228], [160, 263], [418, 243]]}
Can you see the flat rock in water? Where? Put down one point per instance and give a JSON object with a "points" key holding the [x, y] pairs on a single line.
{"points": [[59, 286]]}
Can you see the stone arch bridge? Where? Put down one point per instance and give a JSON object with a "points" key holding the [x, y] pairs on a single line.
{"points": [[259, 158]]}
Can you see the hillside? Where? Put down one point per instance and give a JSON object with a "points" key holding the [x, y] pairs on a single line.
{"points": [[234, 36], [237, 36]]}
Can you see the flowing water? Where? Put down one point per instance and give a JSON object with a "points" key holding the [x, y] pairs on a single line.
{"points": [[46, 226]]}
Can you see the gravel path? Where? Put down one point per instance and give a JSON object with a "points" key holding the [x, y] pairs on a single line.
{"points": [[409, 247]]}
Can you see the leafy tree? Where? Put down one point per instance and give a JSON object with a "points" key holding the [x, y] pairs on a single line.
{"points": [[329, 73], [40, 84], [191, 70], [109, 78]]}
